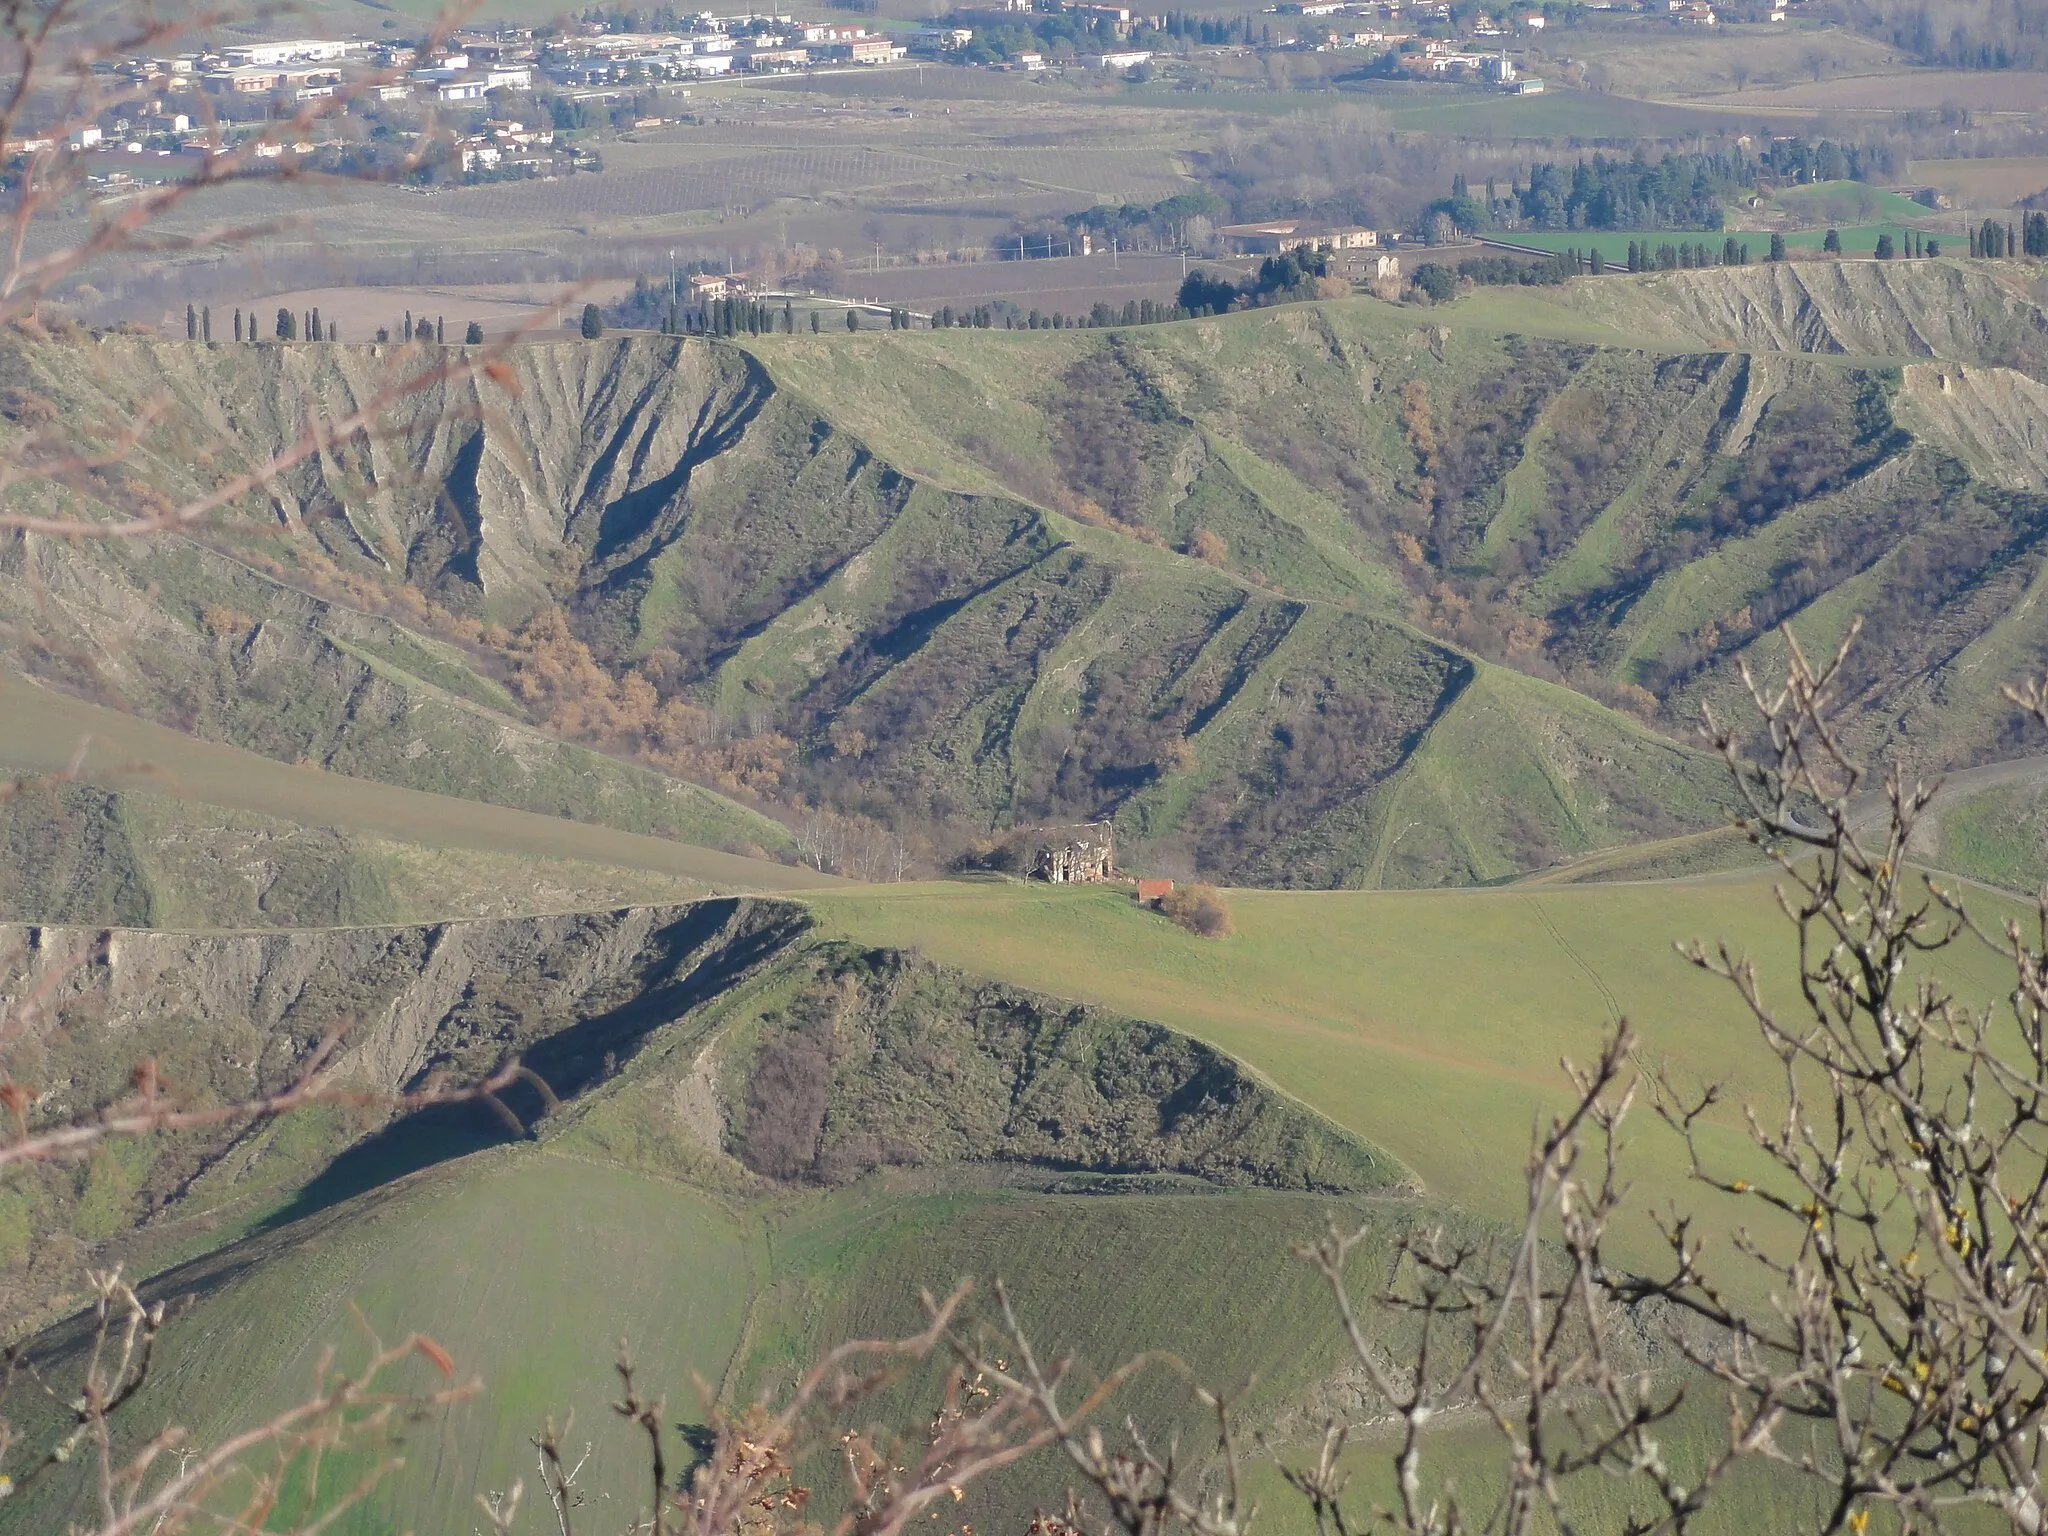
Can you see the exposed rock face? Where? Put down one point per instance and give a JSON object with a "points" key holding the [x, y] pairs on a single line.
{"points": [[1873, 309], [1993, 419], [955, 657]]}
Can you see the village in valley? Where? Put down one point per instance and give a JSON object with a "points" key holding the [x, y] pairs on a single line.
{"points": [[519, 94]]}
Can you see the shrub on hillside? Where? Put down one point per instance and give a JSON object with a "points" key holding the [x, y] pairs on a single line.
{"points": [[786, 1098], [1435, 282], [1200, 909]]}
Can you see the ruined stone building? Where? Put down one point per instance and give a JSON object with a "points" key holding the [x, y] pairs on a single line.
{"points": [[1064, 855]]}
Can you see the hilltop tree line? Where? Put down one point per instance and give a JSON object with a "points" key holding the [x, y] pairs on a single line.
{"points": [[1994, 239], [1679, 191], [308, 325], [1802, 162], [1164, 225]]}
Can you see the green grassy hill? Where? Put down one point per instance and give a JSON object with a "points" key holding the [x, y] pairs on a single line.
{"points": [[1315, 596], [1629, 481], [940, 643], [76, 853], [113, 819], [1846, 202], [955, 1125], [1260, 588], [980, 1079]]}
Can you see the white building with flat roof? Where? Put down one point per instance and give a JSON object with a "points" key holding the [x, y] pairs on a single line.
{"points": [[298, 50]]}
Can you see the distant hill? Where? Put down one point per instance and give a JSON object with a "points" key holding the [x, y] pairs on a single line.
{"points": [[1330, 594]]}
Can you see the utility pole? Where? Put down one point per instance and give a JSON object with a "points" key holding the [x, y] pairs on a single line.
{"points": [[672, 277]]}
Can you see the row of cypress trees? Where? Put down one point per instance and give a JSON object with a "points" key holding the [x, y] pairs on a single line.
{"points": [[310, 326], [1994, 239], [286, 327]]}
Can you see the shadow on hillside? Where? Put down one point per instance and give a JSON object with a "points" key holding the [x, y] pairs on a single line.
{"points": [[706, 950]]}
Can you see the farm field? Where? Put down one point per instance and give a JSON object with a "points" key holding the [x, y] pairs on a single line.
{"points": [[756, 172], [1557, 111], [1984, 183], [1647, 60], [1893, 90], [1846, 202]]}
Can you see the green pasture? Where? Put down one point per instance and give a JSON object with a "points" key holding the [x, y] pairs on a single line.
{"points": [[1999, 835], [1847, 202], [529, 1267], [1430, 1023], [526, 1270], [1207, 1279]]}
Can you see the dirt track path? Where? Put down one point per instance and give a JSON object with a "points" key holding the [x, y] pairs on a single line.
{"points": [[1869, 807]]}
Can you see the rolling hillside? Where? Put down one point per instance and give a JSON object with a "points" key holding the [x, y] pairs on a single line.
{"points": [[1265, 589], [926, 646], [1335, 595], [780, 1117], [780, 1122]]}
